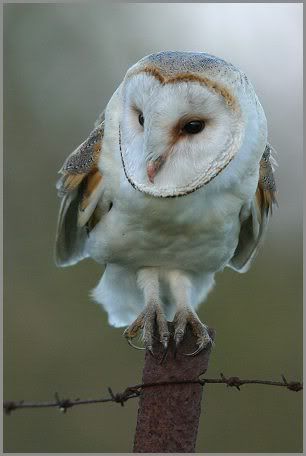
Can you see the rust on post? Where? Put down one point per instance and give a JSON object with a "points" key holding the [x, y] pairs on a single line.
{"points": [[168, 415]]}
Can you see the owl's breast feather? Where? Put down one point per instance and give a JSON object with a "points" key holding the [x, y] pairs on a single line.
{"points": [[194, 233]]}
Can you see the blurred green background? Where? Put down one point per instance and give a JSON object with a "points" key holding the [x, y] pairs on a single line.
{"points": [[61, 65]]}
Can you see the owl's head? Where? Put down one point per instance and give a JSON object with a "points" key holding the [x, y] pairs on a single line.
{"points": [[185, 117]]}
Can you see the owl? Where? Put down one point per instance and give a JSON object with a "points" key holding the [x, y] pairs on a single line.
{"points": [[174, 184]]}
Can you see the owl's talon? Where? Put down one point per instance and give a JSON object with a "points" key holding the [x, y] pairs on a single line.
{"points": [[129, 341], [181, 319], [164, 340], [145, 325], [165, 351], [132, 331], [201, 346], [178, 336], [198, 350], [150, 350]]}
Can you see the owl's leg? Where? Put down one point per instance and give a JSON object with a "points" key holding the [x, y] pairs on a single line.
{"points": [[148, 281], [180, 288]]}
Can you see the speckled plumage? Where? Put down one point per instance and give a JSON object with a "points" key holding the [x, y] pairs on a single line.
{"points": [[266, 176], [81, 162], [170, 64]]}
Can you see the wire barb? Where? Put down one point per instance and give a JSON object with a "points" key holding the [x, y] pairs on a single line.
{"points": [[292, 386], [9, 406], [232, 381], [63, 404], [132, 392]]}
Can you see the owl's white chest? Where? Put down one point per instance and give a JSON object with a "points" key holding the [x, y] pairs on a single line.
{"points": [[196, 232]]}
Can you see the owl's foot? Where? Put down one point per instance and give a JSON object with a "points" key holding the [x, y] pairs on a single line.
{"points": [[145, 325], [187, 316]]}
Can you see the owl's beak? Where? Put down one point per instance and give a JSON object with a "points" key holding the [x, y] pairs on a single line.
{"points": [[153, 167]]}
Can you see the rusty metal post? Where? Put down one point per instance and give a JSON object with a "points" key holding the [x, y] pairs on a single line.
{"points": [[168, 415]]}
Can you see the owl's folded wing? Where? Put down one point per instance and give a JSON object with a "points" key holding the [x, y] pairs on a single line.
{"points": [[253, 227], [81, 187]]}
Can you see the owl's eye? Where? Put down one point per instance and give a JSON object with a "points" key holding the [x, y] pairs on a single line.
{"points": [[194, 127], [141, 119]]}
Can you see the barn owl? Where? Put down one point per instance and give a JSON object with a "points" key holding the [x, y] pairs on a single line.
{"points": [[174, 184]]}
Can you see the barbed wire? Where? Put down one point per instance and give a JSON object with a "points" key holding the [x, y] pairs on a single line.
{"points": [[132, 392]]}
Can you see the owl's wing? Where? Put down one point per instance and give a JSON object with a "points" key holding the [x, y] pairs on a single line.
{"points": [[80, 187], [255, 219]]}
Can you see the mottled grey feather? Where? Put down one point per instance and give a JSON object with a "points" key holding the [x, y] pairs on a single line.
{"points": [[71, 236], [180, 61], [82, 160], [266, 177], [171, 63]]}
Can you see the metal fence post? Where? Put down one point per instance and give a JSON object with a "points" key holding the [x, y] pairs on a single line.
{"points": [[168, 415]]}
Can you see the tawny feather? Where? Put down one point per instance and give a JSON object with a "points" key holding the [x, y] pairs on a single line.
{"points": [[72, 181], [92, 181], [81, 162]]}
